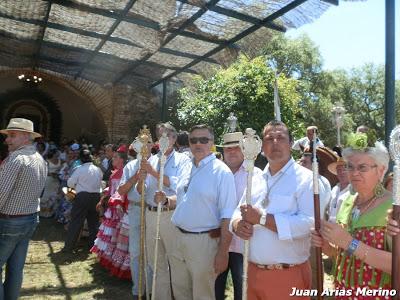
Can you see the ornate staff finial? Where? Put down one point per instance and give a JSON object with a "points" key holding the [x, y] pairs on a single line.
{"points": [[164, 143], [250, 145], [232, 122]]}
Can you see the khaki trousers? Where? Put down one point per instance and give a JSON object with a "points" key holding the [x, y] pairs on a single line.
{"points": [[192, 267], [166, 246]]}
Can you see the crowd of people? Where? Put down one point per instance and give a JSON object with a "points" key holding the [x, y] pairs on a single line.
{"points": [[204, 218]]}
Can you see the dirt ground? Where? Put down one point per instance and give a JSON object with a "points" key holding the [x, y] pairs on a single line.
{"points": [[49, 274]]}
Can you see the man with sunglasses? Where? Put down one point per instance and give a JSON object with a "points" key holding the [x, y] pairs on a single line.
{"points": [[278, 222], [206, 199]]}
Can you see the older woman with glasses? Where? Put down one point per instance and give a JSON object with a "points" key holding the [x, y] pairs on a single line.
{"points": [[358, 240]]}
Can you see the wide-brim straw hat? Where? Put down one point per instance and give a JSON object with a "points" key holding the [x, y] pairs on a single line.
{"points": [[231, 139], [332, 166], [20, 124]]}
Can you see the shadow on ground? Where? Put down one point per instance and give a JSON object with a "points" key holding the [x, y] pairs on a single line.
{"points": [[51, 274]]}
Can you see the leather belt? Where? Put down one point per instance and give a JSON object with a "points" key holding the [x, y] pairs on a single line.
{"points": [[193, 232], [213, 233], [275, 266], [163, 208], [5, 216]]}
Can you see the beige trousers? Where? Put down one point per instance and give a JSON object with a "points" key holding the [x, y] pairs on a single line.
{"points": [[166, 246], [192, 267]]}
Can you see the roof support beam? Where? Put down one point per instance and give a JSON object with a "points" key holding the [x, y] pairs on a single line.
{"points": [[107, 36], [240, 16], [173, 34], [71, 30], [41, 35], [241, 35]]}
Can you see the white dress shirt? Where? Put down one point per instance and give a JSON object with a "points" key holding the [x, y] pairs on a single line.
{"points": [[240, 184], [175, 164], [86, 178], [305, 143], [291, 203], [205, 195], [130, 169], [336, 200]]}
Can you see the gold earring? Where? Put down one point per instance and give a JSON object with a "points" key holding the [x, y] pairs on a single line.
{"points": [[379, 190]]}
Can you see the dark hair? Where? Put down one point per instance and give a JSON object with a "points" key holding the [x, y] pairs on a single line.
{"points": [[85, 156], [123, 155], [51, 153], [183, 139], [201, 127], [310, 155], [275, 123], [112, 146]]}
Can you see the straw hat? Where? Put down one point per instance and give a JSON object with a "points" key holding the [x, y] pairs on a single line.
{"points": [[332, 166], [20, 124], [232, 139]]}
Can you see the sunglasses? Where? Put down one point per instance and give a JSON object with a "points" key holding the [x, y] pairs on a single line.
{"points": [[203, 140]]}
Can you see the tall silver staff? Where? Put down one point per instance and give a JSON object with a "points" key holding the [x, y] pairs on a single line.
{"points": [[251, 147], [394, 148], [164, 144]]}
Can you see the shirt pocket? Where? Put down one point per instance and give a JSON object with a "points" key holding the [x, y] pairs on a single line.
{"points": [[282, 204]]}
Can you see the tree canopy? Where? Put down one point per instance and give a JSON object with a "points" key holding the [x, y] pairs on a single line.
{"points": [[245, 88]]}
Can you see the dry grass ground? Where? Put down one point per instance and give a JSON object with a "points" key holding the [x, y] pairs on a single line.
{"points": [[55, 276], [52, 275]]}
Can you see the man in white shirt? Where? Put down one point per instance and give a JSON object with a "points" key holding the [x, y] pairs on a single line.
{"points": [[206, 199], [175, 165], [127, 186], [278, 221], [305, 143], [341, 190], [234, 159], [86, 180]]}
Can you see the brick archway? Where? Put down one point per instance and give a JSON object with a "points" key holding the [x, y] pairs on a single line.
{"points": [[97, 97]]}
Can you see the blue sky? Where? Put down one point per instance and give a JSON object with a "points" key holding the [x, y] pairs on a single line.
{"points": [[352, 34]]}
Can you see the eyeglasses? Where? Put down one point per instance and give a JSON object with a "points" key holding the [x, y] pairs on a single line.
{"points": [[203, 140], [360, 168]]}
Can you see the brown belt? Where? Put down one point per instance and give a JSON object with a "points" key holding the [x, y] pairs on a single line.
{"points": [[213, 233], [163, 208], [5, 216], [281, 266]]}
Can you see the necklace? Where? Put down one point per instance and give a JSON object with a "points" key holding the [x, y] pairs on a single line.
{"points": [[266, 200], [358, 209]]}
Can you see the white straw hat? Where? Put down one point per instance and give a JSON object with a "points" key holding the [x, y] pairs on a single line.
{"points": [[20, 124]]}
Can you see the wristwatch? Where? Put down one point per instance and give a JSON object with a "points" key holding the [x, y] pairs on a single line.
{"points": [[263, 219]]}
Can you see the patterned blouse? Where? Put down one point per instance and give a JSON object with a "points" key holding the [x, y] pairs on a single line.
{"points": [[370, 228]]}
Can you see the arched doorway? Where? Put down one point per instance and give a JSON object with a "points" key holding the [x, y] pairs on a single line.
{"points": [[35, 105]]}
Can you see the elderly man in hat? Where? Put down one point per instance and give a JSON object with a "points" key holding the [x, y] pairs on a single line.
{"points": [[234, 159], [341, 190], [22, 178]]}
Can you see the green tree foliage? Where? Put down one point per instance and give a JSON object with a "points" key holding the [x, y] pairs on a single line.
{"points": [[245, 88]]}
